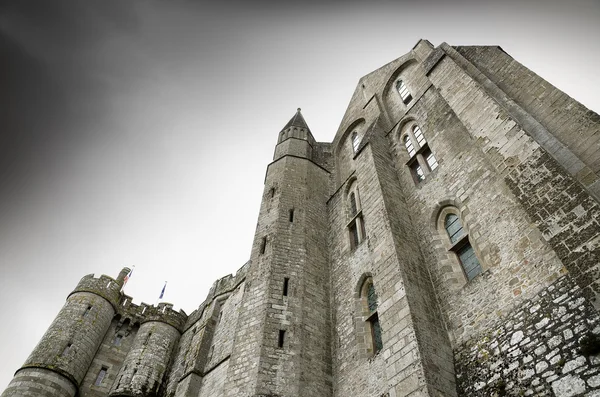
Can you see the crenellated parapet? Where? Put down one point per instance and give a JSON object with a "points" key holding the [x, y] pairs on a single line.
{"points": [[103, 286], [164, 313], [220, 289]]}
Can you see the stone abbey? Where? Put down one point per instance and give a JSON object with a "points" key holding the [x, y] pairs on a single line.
{"points": [[446, 243]]}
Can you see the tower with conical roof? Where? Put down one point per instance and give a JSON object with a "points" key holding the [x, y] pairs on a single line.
{"points": [[282, 346]]}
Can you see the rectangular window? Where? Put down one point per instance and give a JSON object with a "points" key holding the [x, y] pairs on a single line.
{"points": [[100, 376], [286, 284], [281, 338], [263, 245], [117, 340], [292, 215]]}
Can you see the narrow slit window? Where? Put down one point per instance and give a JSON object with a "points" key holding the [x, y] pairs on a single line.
{"points": [[147, 338], [220, 318], [272, 192], [292, 215], [409, 146], [263, 245], [67, 350], [100, 376], [281, 338], [286, 285], [87, 311]]}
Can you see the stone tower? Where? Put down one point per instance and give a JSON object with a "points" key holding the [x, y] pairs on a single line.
{"points": [[445, 243], [59, 362], [282, 344]]}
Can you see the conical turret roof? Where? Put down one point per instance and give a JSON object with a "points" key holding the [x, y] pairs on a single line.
{"points": [[297, 121]]}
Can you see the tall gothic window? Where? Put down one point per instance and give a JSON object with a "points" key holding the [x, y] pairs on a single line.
{"points": [[356, 224], [403, 91], [369, 298], [422, 161], [461, 246]]}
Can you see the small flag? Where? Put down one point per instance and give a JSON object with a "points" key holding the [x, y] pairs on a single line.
{"points": [[126, 278], [162, 293]]}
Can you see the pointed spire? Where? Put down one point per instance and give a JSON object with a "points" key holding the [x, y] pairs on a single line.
{"points": [[297, 121]]}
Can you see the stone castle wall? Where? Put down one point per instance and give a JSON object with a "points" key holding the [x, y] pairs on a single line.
{"points": [[517, 162]]}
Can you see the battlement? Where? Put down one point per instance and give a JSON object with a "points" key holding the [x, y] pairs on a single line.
{"points": [[163, 313], [222, 286], [104, 286]]}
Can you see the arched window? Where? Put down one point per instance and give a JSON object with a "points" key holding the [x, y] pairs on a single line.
{"points": [[353, 208], [356, 225], [355, 141], [461, 246], [409, 146], [403, 91], [369, 300], [422, 161], [419, 136]]}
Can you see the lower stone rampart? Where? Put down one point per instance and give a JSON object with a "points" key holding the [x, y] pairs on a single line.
{"points": [[546, 347]]}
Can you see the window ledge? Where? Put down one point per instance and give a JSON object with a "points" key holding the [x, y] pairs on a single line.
{"points": [[353, 218], [460, 243]]}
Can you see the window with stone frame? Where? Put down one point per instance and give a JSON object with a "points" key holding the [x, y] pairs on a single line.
{"points": [[421, 159], [461, 246], [355, 141], [356, 224], [403, 91], [369, 301]]}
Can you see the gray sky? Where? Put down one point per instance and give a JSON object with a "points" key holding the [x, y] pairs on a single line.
{"points": [[138, 133]]}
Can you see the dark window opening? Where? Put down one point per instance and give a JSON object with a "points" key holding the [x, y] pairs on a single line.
{"points": [[147, 338], [117, 340], [281, 338], [220, 317], [67, 349], [272, 192], [376, 333], [87, 311], [286, 284], [292, 215], [100, 376], [263, 245], [353, 236]]}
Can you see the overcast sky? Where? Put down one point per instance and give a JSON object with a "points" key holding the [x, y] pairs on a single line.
{"points": [[138, 132]]}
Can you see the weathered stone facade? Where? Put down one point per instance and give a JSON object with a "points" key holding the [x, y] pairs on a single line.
{"points": [[446, 243]]}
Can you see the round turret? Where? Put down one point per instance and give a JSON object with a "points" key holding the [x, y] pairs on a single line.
{"points": [[62, 357], [146, 364]]}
